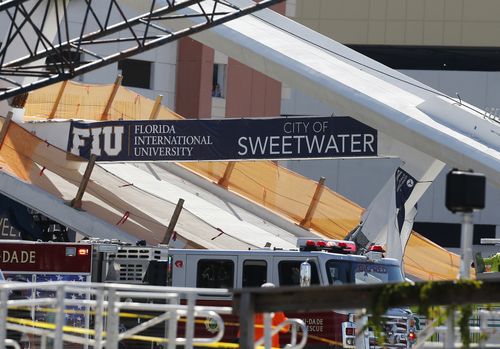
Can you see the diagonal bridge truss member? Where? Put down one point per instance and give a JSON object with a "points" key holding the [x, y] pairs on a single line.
{"points": [[46, 43]]}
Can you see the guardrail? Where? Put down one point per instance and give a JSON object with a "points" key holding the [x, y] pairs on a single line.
{"points": [[102, 308], [316, 298], [484, 326], [105, 303]]}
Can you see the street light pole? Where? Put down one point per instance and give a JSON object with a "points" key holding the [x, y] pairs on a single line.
{"points": [[466, 245], [465, 192]]}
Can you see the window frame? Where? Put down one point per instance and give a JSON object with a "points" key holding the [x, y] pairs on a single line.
{"points": [[243, 272], [216, 282], [315, 276]]}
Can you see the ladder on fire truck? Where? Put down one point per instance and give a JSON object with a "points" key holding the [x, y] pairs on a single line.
{"points": [[102, 315]]}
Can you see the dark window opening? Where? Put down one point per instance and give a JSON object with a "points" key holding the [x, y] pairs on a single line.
{"points": [[254, 273], [289, 273], [157, 273], [433, 57], [135, 73], [219, 81], [215, 273], [448, 234]]}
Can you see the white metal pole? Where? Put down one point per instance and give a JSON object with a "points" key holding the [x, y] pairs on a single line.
{"points": [[4, 297], [449, 340], [43, 345], [466, 242], [98, 323], [172, 325], [294, 334], [113, 321], [190, 321], [87, 317], [58, 336], [483, 326], [267, 330]]}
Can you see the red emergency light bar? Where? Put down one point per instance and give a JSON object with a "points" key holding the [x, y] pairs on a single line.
{"points": [[375, 252], [335, 246], [377, 248]]}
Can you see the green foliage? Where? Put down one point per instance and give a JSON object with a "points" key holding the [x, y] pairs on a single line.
{"points": [[463, 323], [425, 293]]}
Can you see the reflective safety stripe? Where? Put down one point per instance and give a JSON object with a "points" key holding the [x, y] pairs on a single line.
{"points": [[80, 330]]}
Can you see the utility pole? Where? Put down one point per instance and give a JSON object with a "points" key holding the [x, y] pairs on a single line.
{"points": [[465, 192]]}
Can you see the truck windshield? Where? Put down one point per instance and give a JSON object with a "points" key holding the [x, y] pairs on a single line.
{"points": [[347, 272]]}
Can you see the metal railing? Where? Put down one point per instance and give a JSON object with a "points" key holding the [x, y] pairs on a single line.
{"points": [[106, 305], [296, 326], [484, 330], [366, 298]]}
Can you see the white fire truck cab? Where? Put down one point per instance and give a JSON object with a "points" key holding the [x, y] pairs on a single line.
{"points": [[332, 262]]}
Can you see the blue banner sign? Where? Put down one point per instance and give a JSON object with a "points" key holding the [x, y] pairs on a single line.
{"points": [[229, 139]]}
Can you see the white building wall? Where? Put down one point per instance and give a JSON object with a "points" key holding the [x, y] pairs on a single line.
{"points": [[164, 58]]}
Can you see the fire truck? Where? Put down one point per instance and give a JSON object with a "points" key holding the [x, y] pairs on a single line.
{"points": [[331, 262]]}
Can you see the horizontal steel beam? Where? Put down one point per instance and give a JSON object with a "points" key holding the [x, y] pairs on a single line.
{"points": [[10, 3]]}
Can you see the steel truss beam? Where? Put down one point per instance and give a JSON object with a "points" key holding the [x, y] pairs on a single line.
{"points": [[28, 52]]}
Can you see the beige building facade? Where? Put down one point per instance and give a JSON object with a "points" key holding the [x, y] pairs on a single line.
{"points": [[450, 45], [472, 23]]}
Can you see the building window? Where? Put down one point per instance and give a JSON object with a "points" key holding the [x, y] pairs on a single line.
{"points": [[135, 73], [448, 234], [215, 273], [219, 81]]}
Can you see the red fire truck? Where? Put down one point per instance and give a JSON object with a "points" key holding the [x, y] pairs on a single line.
{"points": [[332, 262], [27, 261]]}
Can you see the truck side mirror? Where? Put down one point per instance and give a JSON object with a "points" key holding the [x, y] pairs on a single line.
{"points": [[305, 273]]}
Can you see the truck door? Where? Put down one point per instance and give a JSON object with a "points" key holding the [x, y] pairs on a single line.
{"points": [[324, 326], [255, 270], [211, 271]]}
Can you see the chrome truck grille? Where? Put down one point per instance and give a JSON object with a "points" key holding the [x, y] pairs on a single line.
{"points": [[398, 331]]}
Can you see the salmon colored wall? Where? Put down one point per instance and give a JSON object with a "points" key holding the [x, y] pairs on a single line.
{"points": [[195, 64], [280, 8], [250, 93]]}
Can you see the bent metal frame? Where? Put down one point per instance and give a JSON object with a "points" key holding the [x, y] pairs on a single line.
{"points": [[28, 51]]}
